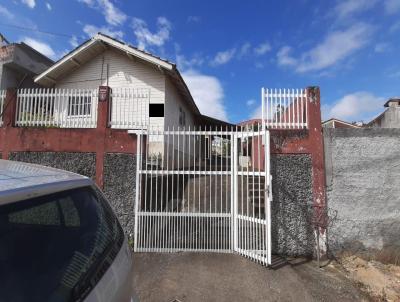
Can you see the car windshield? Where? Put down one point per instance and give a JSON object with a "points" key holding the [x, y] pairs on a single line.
{"points": [[56, 247]]}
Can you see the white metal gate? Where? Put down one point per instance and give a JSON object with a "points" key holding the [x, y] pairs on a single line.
{"points": [[204, 190], [252, 211]]}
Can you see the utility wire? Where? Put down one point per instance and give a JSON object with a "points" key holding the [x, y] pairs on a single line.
{"points": [[37, 30]]}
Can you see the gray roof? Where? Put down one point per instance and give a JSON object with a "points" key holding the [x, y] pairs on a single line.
{"points": [[393, 99], [20, 181]]}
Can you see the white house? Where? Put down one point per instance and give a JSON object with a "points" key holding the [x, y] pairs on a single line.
{"points": [[146, 90]]}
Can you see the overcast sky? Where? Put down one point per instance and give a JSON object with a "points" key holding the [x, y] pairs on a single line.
{"points": [[227, 50]]}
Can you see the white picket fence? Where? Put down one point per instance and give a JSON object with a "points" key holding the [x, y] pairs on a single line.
{"points": [[61, 108], [77, 108], [284, 108], [2, 101], [130, 108]]}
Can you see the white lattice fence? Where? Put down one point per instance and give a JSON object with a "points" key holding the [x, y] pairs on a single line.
{"points": [[130, 108], [63, 108], [284, 108]]}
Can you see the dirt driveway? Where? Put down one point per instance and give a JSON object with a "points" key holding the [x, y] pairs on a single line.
{"points": [[227, 277]]}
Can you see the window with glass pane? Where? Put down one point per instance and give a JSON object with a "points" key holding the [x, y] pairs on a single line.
{"points": [[79, 105]]}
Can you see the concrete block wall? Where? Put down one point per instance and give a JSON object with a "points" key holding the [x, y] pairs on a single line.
{"points": [[363, 187], [120, 187], [291, 207]]}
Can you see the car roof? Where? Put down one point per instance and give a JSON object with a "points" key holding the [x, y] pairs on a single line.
{"points": [[20, 181]]}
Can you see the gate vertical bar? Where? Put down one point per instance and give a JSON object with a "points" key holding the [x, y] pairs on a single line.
{"points": [[234, 191], [138, 183], [268, 194], [263, 107]]}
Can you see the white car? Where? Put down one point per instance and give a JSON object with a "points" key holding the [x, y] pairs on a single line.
{"points": [[59, 239]]}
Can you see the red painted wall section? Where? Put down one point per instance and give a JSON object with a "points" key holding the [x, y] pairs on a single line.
{"points": [[308, 141], [65, 140], [316, 145]]}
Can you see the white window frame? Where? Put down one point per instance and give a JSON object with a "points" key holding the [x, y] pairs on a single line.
{"points": [[84, 101]]}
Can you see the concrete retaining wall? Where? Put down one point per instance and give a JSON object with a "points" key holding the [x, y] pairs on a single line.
{"points": [[363, 186]]}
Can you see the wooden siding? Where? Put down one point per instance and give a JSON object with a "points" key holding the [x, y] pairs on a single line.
{"points": [[173, 100], [123, 72]]}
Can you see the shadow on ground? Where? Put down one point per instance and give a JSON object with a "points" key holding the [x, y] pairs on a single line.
{"points": [[228, 277]]}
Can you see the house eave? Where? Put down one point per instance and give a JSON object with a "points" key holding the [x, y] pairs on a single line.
{"points": [[69, 61], [340, 121]]}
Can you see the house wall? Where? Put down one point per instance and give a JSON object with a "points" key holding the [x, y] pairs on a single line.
{"points": [[363, 188], [173, 102], [390, 119], [123, 72]]}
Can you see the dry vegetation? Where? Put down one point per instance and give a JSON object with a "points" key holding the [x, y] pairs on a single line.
{"points": [[377, 273]]}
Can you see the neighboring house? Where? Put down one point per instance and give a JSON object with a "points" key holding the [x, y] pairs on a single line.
{"points": [[390, 118], [336, 123], [19, 64]]}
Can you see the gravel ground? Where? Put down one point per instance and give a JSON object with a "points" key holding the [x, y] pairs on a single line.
{"points": [[228, 277]]}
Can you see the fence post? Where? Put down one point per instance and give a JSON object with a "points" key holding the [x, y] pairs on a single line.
{"points": [[103, 107], [318, 172], [10, 106], [101, 129], [9, 110]]}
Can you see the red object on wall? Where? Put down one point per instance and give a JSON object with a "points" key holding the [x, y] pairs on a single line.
{"points": [[104, 93]]}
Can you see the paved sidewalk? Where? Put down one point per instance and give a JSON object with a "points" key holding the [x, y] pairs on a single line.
{"points": [[192, 277]]}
